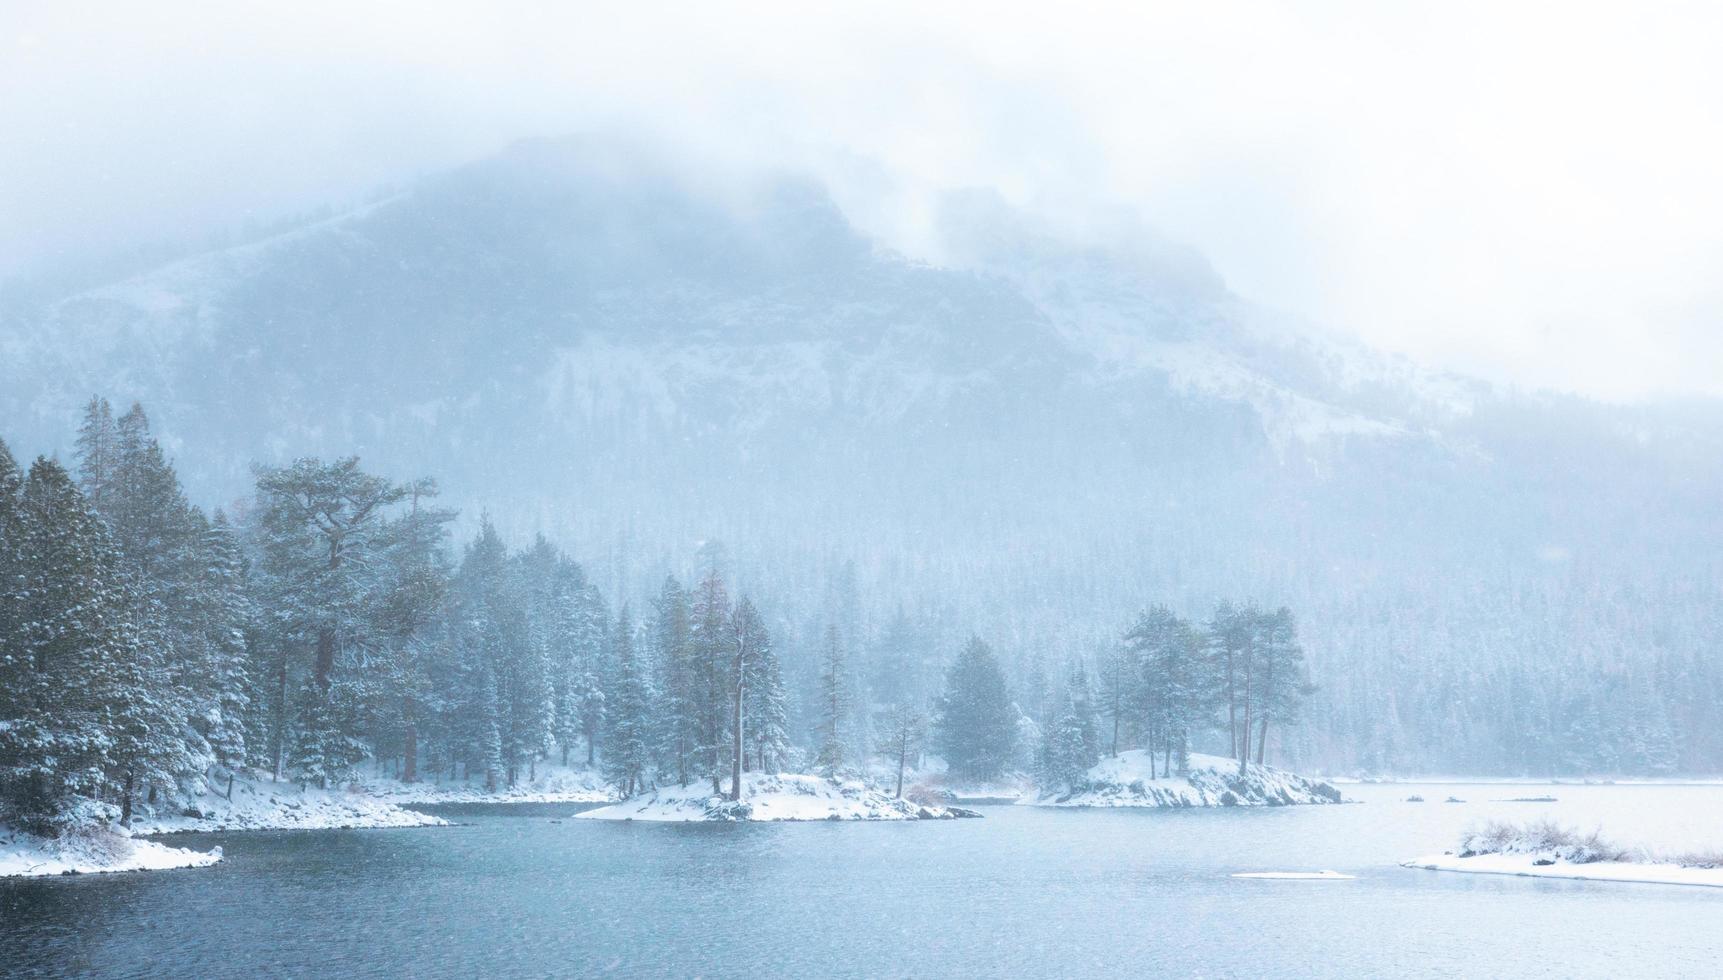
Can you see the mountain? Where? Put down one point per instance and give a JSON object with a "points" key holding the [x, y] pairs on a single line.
{"points": [[1031, 438]]}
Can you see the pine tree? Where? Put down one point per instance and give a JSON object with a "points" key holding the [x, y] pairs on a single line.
{"points": [[748, 639], [768, 706], [96, 448], [837, 704], [975, 727], [711, 655], [678, 717], [1176, 691], [628, 725]]}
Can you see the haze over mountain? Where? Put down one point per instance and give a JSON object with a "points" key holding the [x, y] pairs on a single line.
{"points": [[1033, 438]]}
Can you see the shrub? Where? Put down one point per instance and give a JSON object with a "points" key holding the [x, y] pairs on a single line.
{"points": [[1543, 838]]}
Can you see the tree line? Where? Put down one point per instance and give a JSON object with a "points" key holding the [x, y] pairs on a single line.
{"points": [[1167, 686], [334, 622]]}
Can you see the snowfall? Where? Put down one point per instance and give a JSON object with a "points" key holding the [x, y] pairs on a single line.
{"points": [[1124, 781], [784, 796]]}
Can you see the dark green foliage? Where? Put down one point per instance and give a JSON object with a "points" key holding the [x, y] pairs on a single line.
{"points": [[975, 728]]}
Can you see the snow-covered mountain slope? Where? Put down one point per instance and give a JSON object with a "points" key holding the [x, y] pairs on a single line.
{"points": [[1029, 437]]}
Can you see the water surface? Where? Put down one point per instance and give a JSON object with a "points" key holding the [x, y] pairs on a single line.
{"points": [[521, 890]]}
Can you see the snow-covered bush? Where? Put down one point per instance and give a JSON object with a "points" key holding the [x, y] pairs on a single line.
{"points": [[1543, 838]]}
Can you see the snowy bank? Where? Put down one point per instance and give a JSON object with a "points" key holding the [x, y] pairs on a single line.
{"points": [[552, 784], [1531, 866], [261, 804], [92, 852], [774, 797], [1544, 849], [1124, 781]]}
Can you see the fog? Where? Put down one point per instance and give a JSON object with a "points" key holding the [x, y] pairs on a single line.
{"points": [[1512, 194]]}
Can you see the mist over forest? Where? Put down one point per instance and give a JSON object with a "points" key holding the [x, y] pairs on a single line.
{"points": [[1031, 440]]}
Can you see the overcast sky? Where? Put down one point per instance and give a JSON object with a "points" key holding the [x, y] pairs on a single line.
{"points": [[1534, 194]]}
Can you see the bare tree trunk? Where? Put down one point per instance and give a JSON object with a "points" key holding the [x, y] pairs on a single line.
{"points": [[902, 757], [736, 753], [230, 785], [1262, 739], [126, 801], [1231, 704]]}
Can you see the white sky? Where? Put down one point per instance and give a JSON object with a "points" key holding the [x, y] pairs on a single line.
{"points": [[1532, 192]]}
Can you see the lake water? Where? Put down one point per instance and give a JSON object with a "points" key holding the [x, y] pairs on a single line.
{"points": [[523, 891]]}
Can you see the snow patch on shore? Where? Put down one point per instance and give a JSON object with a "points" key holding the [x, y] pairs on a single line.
{"points": [[553, 784], [92, 852], [1535, 866], [1124, 781], [261, 804], [786, 796]]}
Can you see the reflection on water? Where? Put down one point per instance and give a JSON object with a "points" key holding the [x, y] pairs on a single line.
{"points": [[523, 890]]}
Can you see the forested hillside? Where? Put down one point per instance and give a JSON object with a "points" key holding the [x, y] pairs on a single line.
{"points": [[1024, 438]]}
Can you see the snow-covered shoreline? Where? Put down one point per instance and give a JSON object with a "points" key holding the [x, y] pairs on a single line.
{"points": [[552, 784], [92, 852], [1534, 866], [782, 797], [1124, 781], [1546, 849], [261, 804]]}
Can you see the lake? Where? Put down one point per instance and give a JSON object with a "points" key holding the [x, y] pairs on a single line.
{"points": [[520, 890]]}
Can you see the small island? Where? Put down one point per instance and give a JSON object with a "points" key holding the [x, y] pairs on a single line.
{"points": [[1127, 780]]}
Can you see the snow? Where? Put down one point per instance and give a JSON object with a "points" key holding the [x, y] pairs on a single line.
{"points": [[1296, 875], [552, 784], [1123, 781], [1526, 865], [261, 804], [92, 852], [786, 796]]}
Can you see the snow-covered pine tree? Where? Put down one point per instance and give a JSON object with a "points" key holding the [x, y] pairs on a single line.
{"points": [[837, 704], [975, 725], [408, 618], [678, 721], [711, 656], [96, 448], [592, 641], [1119, 686], [768, 705], [628, 724], [1064, 758], [1176, 687], [1282, 682], [70, 632]]}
